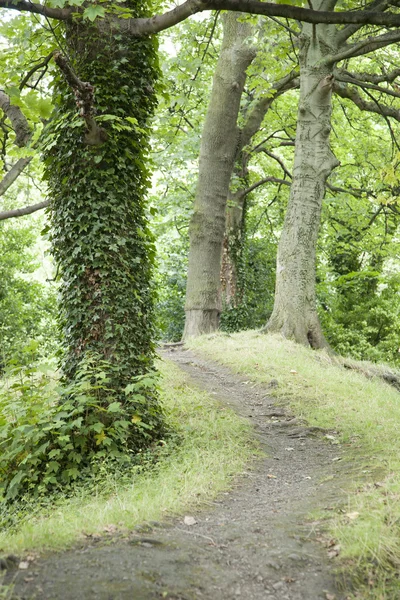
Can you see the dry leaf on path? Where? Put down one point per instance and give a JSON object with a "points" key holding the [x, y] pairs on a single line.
{"points": [[189, 521], [352, 515]]}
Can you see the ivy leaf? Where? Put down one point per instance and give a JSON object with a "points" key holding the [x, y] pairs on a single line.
{"points": [[100, 438], [92, 12]]}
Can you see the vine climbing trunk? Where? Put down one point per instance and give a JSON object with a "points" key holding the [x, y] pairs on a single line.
{"points": [[97, 181], [217, 156], [295, 313]]}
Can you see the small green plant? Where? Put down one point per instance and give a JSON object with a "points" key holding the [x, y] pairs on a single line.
{"points": [[52, 434]]}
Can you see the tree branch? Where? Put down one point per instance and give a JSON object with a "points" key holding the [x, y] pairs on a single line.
{"points": [[145, 26], [61, 14], [20, 212], [44, 63], [256, 116], [341, 76], [349, 92], [84, 95], [365, 46], [262, 182], [13, 174], [349, 30], [17, 118], [373, 77], [277, 159]]}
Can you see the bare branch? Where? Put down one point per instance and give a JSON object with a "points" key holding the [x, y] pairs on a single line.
{"points": [[20, 212], [256, 116], [262, 182], [364, 85], [366, 46], [18, 120], [357, 193], [61, 14], [350, 92], [146, 26], [374, 77], [43, 64], [349, 30], [277, 159], [13, 174]]}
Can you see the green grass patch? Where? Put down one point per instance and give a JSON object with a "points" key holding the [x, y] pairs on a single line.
{"points": [[365, 412], [214, 445]]}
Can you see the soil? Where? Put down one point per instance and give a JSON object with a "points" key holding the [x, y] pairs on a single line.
{"points": [[256, 542]]}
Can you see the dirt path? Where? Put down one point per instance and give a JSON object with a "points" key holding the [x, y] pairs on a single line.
{"points": [[255, 544]]}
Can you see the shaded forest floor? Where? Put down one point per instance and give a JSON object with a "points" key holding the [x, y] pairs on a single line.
{"points": [[256, 542]]}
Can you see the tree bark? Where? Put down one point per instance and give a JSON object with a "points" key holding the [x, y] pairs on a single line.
{"points": [[232, 248], [217, 156], [294, 313]]}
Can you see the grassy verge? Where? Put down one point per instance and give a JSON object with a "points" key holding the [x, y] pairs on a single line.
{"points": [[215, 446], [366, 414]]}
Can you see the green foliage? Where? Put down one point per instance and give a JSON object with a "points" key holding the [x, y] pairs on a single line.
{"points": [[52, 435], [99, 232], [27, 307]]}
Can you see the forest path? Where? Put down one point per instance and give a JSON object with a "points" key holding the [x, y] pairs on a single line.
{"points": [[255, 543]]}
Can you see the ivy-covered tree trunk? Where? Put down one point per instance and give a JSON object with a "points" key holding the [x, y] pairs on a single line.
{"points": [[217, 156], [100, 238], [295, 313]]}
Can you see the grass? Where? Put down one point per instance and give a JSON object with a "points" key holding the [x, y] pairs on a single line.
{"points": [[216, 445], [365, 412]]}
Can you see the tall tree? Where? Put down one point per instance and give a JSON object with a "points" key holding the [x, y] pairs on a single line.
{"points": [[321, 47], [219, 143]]}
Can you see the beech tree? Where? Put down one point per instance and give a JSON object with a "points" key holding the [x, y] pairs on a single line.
{"points": [[321, 48]]}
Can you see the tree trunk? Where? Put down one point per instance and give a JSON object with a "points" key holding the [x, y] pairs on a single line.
{"points": [[232, 249], [217, 156], [295, 314], [100, 237]]}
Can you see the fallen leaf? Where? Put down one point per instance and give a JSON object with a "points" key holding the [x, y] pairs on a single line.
{"points": [[110, 528], [271, 476], [334, 551], [23, 565], [352, 515], [189, 521], [330, 597], [293, 372], [289, 449]]}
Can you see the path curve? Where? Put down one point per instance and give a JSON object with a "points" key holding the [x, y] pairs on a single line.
{"points": [[254, 544]]}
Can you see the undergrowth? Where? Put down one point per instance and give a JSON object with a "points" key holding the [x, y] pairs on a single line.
{"points": [[363, 412], [208, 446]]}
